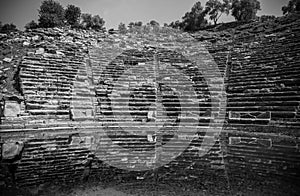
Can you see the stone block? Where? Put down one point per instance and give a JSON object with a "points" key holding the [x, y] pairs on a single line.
{"points": [[81, 113], [12, 109], [11, 150], [26, 43], [7, 60], [40, 51], [234, 140], [264, 142], [234, 115]]}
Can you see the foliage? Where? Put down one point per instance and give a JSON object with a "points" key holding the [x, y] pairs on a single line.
{"points": [[86, 21], [92, 22], [194, 19], [51, 14], [31, 25], [135, 24], [72, 14], [122, 28], [138, 24], [245, 10], [293, 6], [216, 8], [97, 22], [148, 29], [265, 18], [176, 25], [130, 25], [7, 28], [154, 23]]}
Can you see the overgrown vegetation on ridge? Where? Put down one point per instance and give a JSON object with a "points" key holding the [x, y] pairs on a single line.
{"points": [[197, 17], [53, 14]]}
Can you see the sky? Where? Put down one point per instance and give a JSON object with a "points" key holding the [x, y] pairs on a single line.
{"points": [[113, 12]]}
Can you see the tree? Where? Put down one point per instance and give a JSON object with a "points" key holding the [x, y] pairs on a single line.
{"points": [[51, 14], [154, 23], [293, 6], [176, 25], [86, 21], [31, 25], [194, 19], [97, 22], [7, 28], [122, 28], [245, 10], [72, 14], [216, 8]]}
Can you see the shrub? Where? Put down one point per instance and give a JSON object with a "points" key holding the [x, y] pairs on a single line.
{"points": [[195, 19], [86, 20], [97, 22], [122, 28], [72, 15], [154, 23], [292, 7], [51, 14], [31, 25], [7, 28], [245, 10]]}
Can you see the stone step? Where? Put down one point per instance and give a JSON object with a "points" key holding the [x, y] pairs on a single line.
{"points": [[48, 111]]}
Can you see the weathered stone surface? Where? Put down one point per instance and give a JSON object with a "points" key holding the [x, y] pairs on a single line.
{"points": [[81, 113], [7, 60], [40, 51], [11, 109], [11, 150]]}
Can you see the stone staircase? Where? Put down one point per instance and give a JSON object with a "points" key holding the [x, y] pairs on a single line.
{"points": [[263, 85], [127, 102]]}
